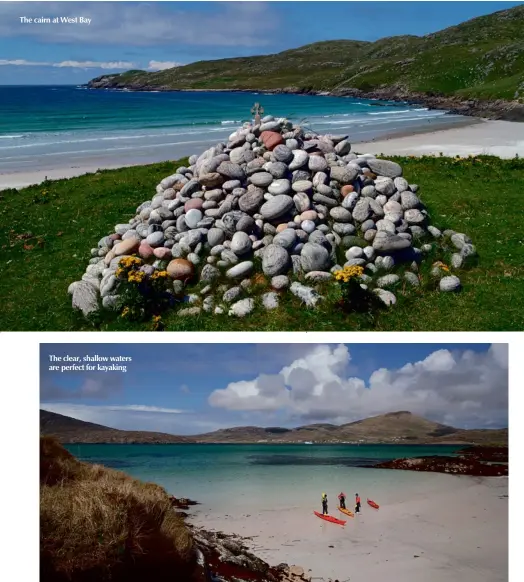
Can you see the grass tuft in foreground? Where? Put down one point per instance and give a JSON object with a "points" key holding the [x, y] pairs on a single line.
{"points": [[48, 230], [100, 524]]}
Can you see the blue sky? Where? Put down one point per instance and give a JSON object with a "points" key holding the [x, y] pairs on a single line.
{"points": [[158, 35], [196, 388]]}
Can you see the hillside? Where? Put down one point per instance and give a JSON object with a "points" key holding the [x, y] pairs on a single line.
{"points": [[480, 60], [71, 430], [394, 427]]}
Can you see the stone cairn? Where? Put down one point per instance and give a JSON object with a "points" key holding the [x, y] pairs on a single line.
{"points": [[279, 199]]}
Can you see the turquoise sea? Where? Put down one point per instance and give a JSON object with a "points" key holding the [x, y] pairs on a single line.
{"points": [[66, 126], [229, 475]]}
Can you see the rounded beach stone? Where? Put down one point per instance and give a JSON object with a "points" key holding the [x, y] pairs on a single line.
{"points": [[243, 307], [162, 253], [193, 203], [215, 236], [275, 260], [270, 300], [318, 276], [449, 283], [241, 243], [126, 247], [282, 153], [340, 214], [209, 273], [280, 282], [314, 257], [385, 168], [180, 269], [282, 186], [276, 207], [343, 174], [277, 169], [308, 226], [412, 279], [354, 253], [385, 296], [145, 250], [261, 179], [155, 239], [286, 238], [193, 217], [240, 271], [388, 280], [250, 202], [317, 164], [302, 186]]}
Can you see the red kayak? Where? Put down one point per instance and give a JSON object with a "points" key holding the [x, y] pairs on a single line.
{"points": [[373, 504], [330, 518]]}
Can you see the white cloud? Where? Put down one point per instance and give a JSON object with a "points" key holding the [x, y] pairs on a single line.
{"points": [[144, 408], [23, 63], [229, 24], [95, 65], [114, 65], [460, 388], [162, 65]]}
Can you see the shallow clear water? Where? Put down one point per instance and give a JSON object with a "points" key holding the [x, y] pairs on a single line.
{"points": [[278, 475], [64, 126]]}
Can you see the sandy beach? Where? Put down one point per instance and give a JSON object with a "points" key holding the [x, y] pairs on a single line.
{"points": [[454, 531], [504, 139]]}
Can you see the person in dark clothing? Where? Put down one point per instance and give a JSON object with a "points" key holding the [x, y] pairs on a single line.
{"points": [[357, 503], [324, 504], [342, 500]]}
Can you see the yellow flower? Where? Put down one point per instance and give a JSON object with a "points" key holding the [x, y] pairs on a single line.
{"points": [[125, 312], [136, 276], [130, 262], [159, 275], [156, 318]]}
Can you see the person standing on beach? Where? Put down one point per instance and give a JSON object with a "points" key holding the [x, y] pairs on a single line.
{"points": [[357, 503], [324, 504], [342, 499]]}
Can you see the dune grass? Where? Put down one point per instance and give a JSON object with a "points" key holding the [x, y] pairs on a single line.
{"points": [[100, 524], [48, 230]]}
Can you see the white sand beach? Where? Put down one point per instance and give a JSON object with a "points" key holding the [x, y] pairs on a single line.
{"points": [[504, 139], [455, 530]]}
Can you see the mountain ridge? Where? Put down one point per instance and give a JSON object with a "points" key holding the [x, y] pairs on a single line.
{"points": [[400, 427], [473, 68]]}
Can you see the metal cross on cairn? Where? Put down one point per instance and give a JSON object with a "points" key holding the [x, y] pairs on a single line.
{"points": [[257, 110]]}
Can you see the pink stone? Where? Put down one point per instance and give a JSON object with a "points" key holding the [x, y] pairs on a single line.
{"points": [[162, 253], [115, 236], [145, 250], [282, 227], [126, 247], [181, 269], [309, 215], [345, 190], [195, 203], [271, 139]]}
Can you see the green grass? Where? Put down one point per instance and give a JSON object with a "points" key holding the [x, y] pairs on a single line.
{"points": [[482, 198]]}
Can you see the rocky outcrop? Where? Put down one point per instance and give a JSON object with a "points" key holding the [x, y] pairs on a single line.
{"points": [[475, 461]]}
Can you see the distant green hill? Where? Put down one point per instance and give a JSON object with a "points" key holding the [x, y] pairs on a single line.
{"points": [[480, 59]]}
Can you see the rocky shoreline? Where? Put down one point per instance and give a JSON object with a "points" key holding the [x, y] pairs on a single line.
{"points": [[473, 461], [496, 109], [226, 557]]}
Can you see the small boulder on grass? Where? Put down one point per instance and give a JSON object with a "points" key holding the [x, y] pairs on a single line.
{"points": [[450, 283]]}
